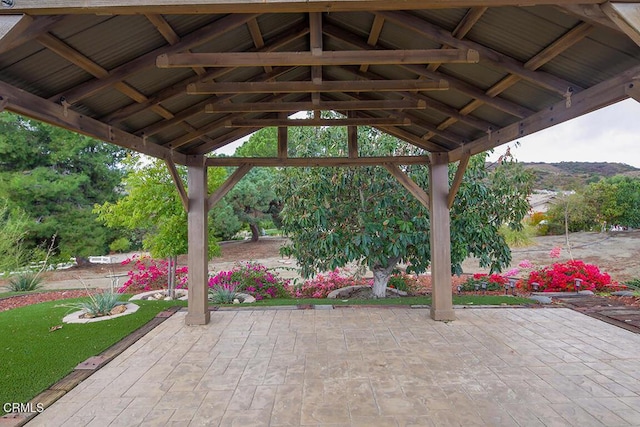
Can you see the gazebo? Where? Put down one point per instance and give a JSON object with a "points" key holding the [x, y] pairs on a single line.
{"points": [[179, 80]]}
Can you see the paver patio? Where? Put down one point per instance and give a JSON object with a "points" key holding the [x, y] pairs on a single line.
{"points": [[369, 367]]}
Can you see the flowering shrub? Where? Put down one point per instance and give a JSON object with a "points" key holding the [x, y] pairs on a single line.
{"points": [[321, 285], [555, 252], [561, 277], [494, 282], [253, 279], [148, 274]]}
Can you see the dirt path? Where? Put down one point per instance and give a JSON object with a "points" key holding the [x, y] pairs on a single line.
{"points": [[615, 253]]}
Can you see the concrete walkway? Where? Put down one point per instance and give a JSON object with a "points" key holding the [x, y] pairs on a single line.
{"points": [[366, 367]]}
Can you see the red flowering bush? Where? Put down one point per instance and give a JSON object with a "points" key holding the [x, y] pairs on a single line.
{"points": [[321, 285], [253, 279], [561, 277], [148, 274], [494, 282]]}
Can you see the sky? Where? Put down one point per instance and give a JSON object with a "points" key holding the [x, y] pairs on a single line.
{"points": [[611, 134]]}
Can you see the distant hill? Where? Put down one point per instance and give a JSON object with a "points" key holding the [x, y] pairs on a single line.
{"points": [[573, 175]]}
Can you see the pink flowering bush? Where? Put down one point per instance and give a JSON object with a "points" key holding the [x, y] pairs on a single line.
{"points": [[253, 279], [149, 274], [561, 277], [321, 285]]}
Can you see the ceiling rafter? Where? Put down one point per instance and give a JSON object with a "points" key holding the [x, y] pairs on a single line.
{"points": [[48, 7], [148, 60], [29, 105], [223, 140], [373, 57], [67, 52], [292, 107], [165, 29], [310, 87], [594, 98], [258, 40], [179, 88], [570, 38], [28, 28], [454, 83], [199, 107], [374, 35], [349, 121], [470, 19], [496, 59]]}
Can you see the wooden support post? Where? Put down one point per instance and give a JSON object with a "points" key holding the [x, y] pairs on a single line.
{"points": [[198, 310], [352, 137], [283, 139], [442, 297]]}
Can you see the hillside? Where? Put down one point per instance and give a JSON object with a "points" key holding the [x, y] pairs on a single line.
{"points": [[573, 175]]}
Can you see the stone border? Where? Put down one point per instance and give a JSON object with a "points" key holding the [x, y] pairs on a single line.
{"points": [[143, 295], [75, 316]]}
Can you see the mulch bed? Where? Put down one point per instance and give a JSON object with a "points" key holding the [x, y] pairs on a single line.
{"points": [[37, 297]]}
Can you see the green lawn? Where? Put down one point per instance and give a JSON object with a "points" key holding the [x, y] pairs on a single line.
{"points": [[33, 358]]}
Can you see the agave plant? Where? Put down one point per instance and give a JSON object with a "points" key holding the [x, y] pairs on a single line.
{"points": [[223, 293], [99, 304], [25, 282]]}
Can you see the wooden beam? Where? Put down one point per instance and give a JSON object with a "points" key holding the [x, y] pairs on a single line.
{"points": [[440, 239], [226, 186], [316, 161], [223, 140], [17, 31], [12, 27], [178, 88], [296, 59], [457, 179], [408, 183], [371, 105], [594, 98], [460, 85], [27, 104], [352, 139], [198, 236], [196, 38], [169, 35], [258, 40], [124, 7], [252, 123], [496, 59], [470, 19], [374, 35], [626, 16], [633, 89], [177, 180], [310, 87], [283, 140], [65, 51], [197, 108]]}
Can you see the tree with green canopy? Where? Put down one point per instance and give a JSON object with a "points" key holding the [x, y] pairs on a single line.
{"points": [[55, 177], [151, 204], [335, 216]]}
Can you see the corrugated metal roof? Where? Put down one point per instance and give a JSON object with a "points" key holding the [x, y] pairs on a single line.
{"points": [[516, 33]]}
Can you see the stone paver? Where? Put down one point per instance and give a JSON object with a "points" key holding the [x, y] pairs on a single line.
{"points": [[367, 367]]}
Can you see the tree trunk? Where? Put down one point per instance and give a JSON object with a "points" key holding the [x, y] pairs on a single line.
{"points": [[381, 277], [255, 232]]}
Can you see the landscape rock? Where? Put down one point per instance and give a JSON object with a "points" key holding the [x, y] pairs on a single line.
{"points": [[541, 299]]}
